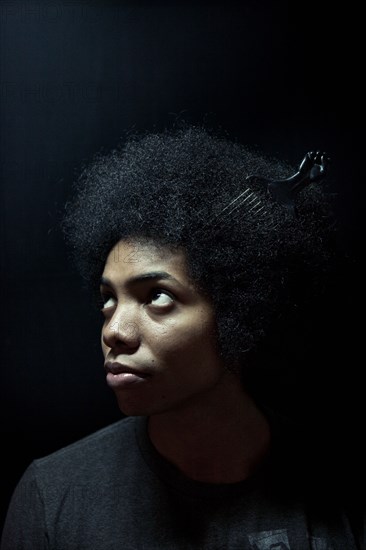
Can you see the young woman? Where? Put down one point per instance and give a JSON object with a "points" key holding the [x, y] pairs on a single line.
{"points": [[195, 246]]}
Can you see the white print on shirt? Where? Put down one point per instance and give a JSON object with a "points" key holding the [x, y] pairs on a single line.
{"points": [[269, 540], [278, 540]]}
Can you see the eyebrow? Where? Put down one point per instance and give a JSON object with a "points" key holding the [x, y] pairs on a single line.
{"points": [[151, 275]]}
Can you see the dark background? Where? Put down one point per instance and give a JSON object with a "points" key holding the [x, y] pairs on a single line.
{"points": [[75, 76]]}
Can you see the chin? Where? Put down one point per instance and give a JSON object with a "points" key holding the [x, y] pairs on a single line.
{"points": [[130, 407], [134, 408]]}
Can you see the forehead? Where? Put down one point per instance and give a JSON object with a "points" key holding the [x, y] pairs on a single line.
{"points": [[131, 257]]}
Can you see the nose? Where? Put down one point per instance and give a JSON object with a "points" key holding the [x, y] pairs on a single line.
{"points": [[121, 332]]}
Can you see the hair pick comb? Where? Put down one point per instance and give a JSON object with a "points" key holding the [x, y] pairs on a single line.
{"points": [[312, 169]]}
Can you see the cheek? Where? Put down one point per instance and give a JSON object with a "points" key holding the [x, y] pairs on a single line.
{"points": [[187, 336]]}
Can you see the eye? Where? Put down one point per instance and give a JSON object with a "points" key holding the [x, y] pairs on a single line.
{"points": [[161, 298], [107, 301]]}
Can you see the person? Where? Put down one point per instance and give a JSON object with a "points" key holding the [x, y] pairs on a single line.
{"points": [[194, 246]]}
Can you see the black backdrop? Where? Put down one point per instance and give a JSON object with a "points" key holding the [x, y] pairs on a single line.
{"points": [[75, 75]]}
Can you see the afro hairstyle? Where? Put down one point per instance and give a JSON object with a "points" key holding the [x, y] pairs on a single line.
{"points": [[166, 187]]}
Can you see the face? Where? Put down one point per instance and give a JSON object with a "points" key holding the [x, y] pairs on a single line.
{"points": [[158, 336]]}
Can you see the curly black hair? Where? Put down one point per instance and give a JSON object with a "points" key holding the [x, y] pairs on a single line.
{"points": [[166, 186]]}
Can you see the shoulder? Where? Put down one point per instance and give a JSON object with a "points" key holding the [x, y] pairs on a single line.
{"points": [[104, 450], [94, 442], [78, 477]]}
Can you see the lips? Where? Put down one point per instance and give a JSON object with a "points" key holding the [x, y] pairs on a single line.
{"points": [[119, 368]]}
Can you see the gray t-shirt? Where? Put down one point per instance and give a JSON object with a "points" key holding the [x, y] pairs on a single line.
{"points": [[113, 491]]}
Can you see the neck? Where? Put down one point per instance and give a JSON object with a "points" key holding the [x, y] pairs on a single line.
{"points": [[221, 437]]}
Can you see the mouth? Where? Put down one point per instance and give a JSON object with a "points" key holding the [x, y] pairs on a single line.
{"points": [[116, 368]]}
